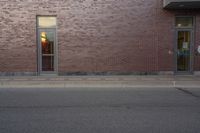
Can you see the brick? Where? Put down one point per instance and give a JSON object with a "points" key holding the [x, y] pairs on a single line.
{"points": [[93, 35]]}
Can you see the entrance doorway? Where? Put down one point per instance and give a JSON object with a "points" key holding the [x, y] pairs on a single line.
{"points": [[47, 46], [184, 44]]}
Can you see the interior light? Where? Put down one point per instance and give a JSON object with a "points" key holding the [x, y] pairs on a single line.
{"points": [[43, 37], [179, 25]]}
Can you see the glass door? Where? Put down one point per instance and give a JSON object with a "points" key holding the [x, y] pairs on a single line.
{"points": [[47, 50], [183, 47]]}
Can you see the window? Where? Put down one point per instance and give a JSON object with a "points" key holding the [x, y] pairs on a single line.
{"points": [[46, 22], [184, 22]]}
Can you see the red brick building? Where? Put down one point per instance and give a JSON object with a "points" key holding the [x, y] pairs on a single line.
{"points": [[99, 37]]}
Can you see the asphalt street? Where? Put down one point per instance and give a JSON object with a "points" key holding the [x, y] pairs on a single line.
{"points": [[100, 110]]}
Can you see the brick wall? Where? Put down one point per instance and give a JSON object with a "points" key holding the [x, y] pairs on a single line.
{"points": [[93, 35]]}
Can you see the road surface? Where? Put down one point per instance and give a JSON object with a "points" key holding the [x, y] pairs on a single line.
{"points": [[100, 110]]}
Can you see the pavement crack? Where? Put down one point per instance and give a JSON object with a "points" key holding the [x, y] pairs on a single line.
{"points": [[188, 92]]}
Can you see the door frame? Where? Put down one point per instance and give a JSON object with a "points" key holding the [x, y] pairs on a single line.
{"points": [[190, 71], [40, 72]]}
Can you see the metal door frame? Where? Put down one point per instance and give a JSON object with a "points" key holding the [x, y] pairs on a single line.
{"points": [[40, 72]]}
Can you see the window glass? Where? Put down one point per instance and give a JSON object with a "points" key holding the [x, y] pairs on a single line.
{"points": [[184, 22], [47, 22]]}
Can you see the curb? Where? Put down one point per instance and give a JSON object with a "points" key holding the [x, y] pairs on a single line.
{"points": [[98, 84]]}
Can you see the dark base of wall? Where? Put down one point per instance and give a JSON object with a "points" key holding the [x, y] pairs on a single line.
{"points": [[106, 73], [18, 74], [87, 73]]}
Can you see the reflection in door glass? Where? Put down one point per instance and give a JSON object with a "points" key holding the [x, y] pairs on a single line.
{"points": [[183, 51], [47, 42], [47, 45], [47, 63]]}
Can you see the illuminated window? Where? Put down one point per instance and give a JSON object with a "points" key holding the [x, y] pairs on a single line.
{"points": [[47, 22]]}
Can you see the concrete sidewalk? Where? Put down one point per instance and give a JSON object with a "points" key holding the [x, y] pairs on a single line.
{"points": [[100, 81]]}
